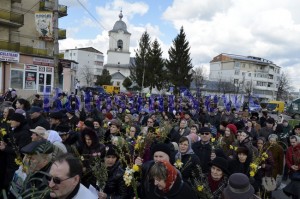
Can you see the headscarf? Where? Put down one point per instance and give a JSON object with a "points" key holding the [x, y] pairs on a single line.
{"points": [[171, 175], [52, 136], [189, 150]]}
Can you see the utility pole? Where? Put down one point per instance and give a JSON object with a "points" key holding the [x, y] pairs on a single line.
{"points": [[56, 45]]}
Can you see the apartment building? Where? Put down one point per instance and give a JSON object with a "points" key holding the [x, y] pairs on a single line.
{"points": [[251, 74], [27, 44], [90, 64]]}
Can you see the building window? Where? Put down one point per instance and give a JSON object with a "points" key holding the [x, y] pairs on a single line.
{"points": [[120, 44], [30, 80], [237, 64], [16, 79], [118, 83], [237, 72], [243, 73], [249, 74]]}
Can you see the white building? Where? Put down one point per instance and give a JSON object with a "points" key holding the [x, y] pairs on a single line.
{"points": [[90, 64], [256, 74], [118, 55]]}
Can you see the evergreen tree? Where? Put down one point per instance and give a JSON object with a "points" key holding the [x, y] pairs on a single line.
{"points": [[139, 71], [156, 62], [104, 78], [180, 63], [127, 83]]}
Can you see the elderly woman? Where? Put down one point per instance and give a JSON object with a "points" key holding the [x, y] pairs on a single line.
{"points": [[167, 183], [186, 160], [278, 156], [216, 179]]}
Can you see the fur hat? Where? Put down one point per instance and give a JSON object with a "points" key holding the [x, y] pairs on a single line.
{"points": [[18, 118], [221, 163], [161, 147]]}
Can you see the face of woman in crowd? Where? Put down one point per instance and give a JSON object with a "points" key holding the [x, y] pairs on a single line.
{"points": [[161, 184], [216, 173], [193, 130], [127, 119], [242, 157], [183, 146], [132, 131], [260, 144], [88, 140], [243, 136], [18, 105], [249, 124], [227, 132], [110, 160], [113, 129], [159, 156], [5, 113], [96, 125], [272, 141]]}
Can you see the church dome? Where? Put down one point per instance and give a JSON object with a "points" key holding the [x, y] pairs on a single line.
{"points": [[120, 25]]}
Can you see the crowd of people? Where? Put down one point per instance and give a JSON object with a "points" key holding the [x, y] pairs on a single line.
{"points": [[137, 147]]}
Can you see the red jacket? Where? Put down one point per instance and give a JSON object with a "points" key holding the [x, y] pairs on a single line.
{"points": [[293, 151]]}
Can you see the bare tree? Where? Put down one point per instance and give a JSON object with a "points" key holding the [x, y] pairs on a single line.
{"points": [[283, 87], [87, 73], [199, 76], [248, 86], [225, 86]]}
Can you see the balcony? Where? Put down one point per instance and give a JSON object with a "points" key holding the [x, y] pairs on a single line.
{"points": [[10, 46], [12, 19], [49, 6], [34, 51], [62, 34], [16, 1]]}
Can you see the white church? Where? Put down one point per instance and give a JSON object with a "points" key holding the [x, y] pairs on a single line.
{"points": [[118, 55]]}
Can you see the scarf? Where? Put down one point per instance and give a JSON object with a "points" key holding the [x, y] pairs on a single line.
{"points": [[171, 175], [189, 150]]}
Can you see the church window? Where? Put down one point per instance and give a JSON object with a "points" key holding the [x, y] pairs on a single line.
{"points": [[120, 44]]}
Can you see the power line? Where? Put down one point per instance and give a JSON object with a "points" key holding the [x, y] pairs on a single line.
{"points": [[31, 8], [91, 15]]}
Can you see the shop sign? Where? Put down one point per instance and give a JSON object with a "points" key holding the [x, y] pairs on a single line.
{"points": [[9, 56], [43, 61]]}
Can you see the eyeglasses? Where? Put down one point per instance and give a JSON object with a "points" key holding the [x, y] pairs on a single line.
{"points": [[56, 180], [204, 133]]}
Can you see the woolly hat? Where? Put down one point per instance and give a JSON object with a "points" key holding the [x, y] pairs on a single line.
{"points": [[232, 128], [36, 147], [111, 150], [161, 147], [238, 187], [243, 150], [18, 118], [221, 163], [62, 129]]}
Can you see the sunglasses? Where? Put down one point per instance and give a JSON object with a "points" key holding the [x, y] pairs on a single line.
{"points": [[204, 133], [56, 180]]}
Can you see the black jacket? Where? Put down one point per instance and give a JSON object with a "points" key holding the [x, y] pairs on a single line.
{"points": [[39, 121], [115, 187]]}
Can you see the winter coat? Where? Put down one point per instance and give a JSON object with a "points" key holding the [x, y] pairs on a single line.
{"points": [[115, 187], [293, 157], [179, 190], [16, 139], [190, 163], [39, 121], [278, 157], [175, 134]]}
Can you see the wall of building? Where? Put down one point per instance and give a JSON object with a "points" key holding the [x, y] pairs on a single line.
{"points": [[117, 57]]}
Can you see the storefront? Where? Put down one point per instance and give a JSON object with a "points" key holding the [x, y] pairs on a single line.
{"points": [[32, 75]]}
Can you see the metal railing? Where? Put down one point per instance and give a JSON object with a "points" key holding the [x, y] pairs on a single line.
{"points": [[62, 33], [10, 46]]}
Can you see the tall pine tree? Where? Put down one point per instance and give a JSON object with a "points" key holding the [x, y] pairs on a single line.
{"points": [[139, 71], [156, 62], [179, 63]]}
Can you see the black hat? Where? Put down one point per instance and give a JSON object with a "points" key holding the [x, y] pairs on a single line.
{"points": [[205, 130], [89, 123], [34, 109], [62, 129], [35, 147], [161, 147], [70, 111], [56, 115], [238, 187], [270, 120], [18, 118], [111, 150], [221, 163], [243, 150]]}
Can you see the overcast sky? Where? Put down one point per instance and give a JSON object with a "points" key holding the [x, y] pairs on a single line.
{"points": [[263, 28]]}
